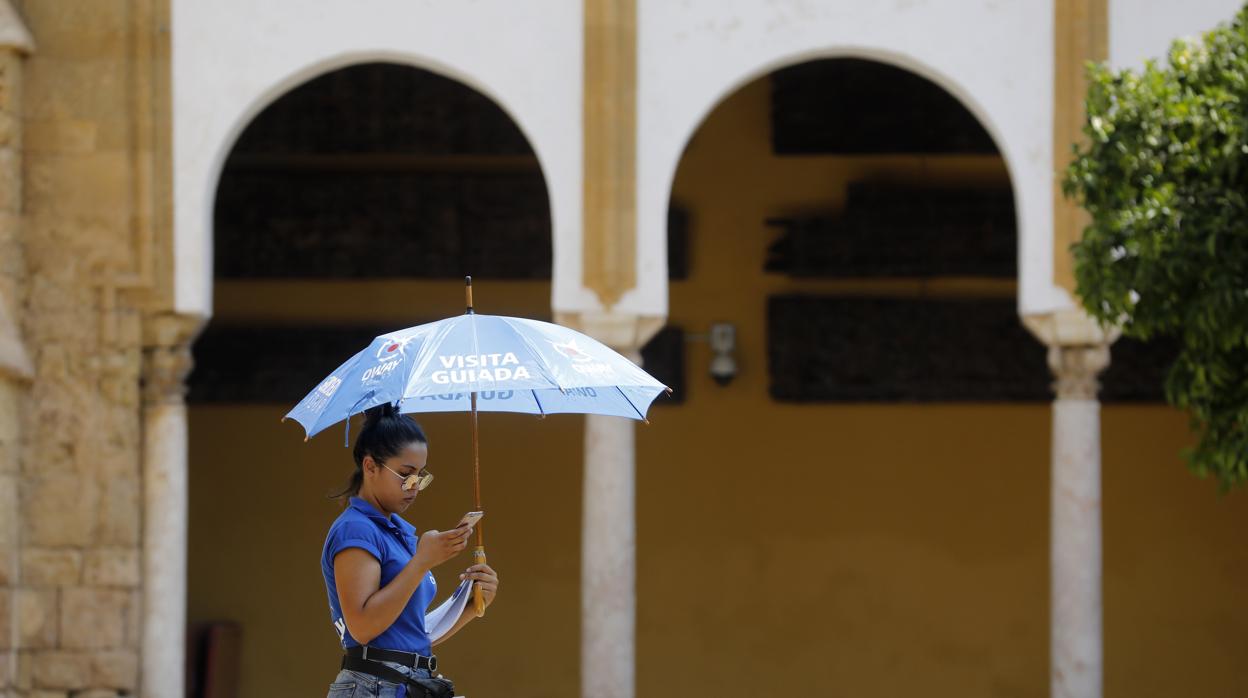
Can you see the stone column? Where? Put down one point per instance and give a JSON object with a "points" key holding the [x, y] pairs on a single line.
{"points": [[1078, 352], [608, 559], [608, 531], [165, 502], [15, 366]]}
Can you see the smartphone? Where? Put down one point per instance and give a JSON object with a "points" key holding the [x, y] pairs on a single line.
{"points": [[470, 519]]}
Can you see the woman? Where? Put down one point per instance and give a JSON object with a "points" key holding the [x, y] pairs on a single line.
{"points": [[377, 571]]}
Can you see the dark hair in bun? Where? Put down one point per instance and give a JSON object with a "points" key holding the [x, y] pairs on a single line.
{"points": [[386, 432]]}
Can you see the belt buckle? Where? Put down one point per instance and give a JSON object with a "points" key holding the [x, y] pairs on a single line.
{"points": [[433, 663]]}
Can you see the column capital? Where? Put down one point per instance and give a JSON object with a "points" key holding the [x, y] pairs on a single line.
{"points": [[1078, 350], [14, 36], [1075, 370], [167, 356], [624, 332]]}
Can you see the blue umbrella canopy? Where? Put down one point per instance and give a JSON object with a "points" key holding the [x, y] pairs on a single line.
{"points": [[481, 363], [512, 364]]}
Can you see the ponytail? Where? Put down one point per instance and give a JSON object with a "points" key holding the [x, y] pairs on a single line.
{"points": [[385, 433]]}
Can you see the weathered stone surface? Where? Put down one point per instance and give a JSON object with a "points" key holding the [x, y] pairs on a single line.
{"points": [[9, 410], [118, 670], [8, 529], [6, 623], [10, 73], [60, 136], [120, 386], [42, 567], [9, 197], [76, 465], [93, 618], [60, 669], [58, 510], [100, 192], [119, 511], [9, 464], [134, 620], [8, 129], [36, 611], [25, 662], [12, 264], [112, 567]]}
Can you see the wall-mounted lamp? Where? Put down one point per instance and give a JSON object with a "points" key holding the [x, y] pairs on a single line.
{"points": [[723, 341]]}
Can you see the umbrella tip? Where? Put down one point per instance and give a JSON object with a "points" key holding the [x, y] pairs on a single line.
{"points": [[305, 439]]}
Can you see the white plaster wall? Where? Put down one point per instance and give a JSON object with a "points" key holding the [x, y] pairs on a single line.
{"points": [[997, 57], [231, 58], [1143, 29]]}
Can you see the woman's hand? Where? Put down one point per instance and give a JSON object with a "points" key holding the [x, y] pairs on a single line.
{"points": [[436, 547], [486, 578]]}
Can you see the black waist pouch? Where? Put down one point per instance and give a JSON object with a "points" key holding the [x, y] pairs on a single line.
{"points": [[416, 686], [432, 688]]}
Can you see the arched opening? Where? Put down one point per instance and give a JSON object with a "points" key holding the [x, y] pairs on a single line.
{"points": [[354, 204], [862, 513]]}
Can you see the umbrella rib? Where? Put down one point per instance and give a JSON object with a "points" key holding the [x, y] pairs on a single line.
{"points": [[540, 409], [640, 416], [524, 339]]}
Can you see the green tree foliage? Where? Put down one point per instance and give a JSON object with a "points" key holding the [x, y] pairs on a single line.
{"points": [[1164, 175]]}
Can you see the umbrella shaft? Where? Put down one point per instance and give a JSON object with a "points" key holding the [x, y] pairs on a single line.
{"points": [[476, 471]]}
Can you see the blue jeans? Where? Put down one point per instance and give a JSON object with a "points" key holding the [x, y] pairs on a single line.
{"points": [[353, 684]]}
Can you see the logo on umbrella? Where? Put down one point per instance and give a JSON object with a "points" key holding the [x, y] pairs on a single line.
{"points": [[394, 348], [388, 356], [570, 350]]}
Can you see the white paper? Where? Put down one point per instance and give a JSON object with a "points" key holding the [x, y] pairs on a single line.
{"points": [[440, 620]]}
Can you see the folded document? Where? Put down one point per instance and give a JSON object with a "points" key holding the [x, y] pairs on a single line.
{"points": [[440, 620]]}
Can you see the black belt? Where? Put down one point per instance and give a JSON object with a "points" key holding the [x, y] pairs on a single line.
{"points": [[416, 687], [376, 654]]}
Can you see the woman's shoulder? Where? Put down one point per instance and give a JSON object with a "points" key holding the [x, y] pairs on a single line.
{"points": [[352, 531], [351, 519]]}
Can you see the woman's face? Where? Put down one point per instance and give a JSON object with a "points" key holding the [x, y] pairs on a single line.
{"points": [[386, 478]]}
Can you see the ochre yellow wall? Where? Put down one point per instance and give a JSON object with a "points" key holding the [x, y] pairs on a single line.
{"points": [[841, 550]]}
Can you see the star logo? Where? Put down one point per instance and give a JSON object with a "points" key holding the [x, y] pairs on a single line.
{"points": [[572, 351], [393, 349]]}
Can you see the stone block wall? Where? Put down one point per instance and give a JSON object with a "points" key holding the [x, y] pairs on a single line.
{"points": [[14, 363], [70, 560]]}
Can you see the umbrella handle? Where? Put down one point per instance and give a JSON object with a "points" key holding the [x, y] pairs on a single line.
{"points": [[478, 557]]}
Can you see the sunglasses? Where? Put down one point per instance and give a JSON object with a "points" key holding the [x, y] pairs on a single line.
{"points": [[416, 481]]}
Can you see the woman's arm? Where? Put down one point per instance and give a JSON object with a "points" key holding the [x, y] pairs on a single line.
{"points": [[367, 607], [488, 579]]}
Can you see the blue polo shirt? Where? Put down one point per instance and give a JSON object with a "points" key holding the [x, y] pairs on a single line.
{"points": [[393, 542]]}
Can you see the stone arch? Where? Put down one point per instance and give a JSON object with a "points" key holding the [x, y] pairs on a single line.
{"points": [[1033, 205], [992, 256], [193, 286], [892, 58]]}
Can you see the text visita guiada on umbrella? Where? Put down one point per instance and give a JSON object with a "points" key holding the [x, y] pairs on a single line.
{"points": [[460, 369], [471, 368]]}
